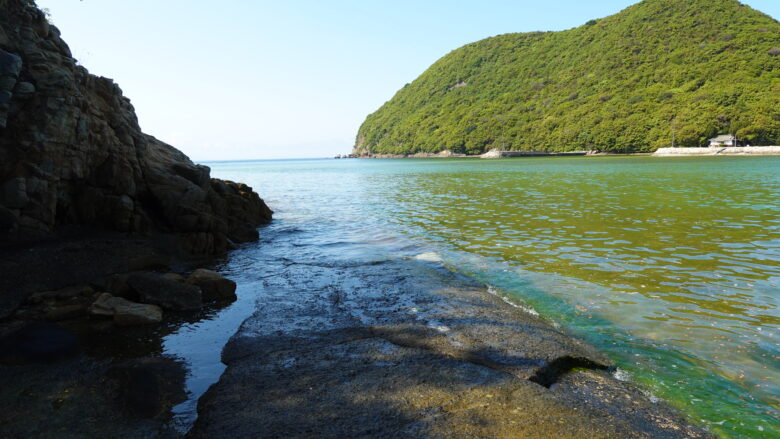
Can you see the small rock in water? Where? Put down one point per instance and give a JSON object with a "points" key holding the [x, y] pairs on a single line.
{"points": [[102, 306], [213, 285], [126, 313]]}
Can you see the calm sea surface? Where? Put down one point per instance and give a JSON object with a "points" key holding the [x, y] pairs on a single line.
{"points": [[669, 265]]}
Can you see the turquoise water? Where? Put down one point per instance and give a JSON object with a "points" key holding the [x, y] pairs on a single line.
{"points": [[669, 265]]}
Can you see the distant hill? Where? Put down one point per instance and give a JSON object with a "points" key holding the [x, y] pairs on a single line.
{"points": [[624, 83]]}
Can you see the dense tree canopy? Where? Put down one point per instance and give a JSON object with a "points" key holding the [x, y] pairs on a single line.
{"points": [[695, 68]]}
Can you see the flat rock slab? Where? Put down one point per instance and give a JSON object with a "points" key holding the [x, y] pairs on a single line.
{"points": [[408, 349], [81, 398]]}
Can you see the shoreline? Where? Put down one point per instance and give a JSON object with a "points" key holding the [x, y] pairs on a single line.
{"points": [[719, 151], [755, 151], [95, 327], [406, 346], [490, 155]]}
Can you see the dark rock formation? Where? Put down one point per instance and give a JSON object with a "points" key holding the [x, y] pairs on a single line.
{"points": [[72, 153], [84, 258], [156, 289], [215, 287]]}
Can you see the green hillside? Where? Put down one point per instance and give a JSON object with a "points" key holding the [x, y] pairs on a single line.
{"points": [[622, 83]]}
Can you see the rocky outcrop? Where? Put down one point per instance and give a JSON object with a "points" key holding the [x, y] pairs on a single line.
{"points": [[72, 153]]}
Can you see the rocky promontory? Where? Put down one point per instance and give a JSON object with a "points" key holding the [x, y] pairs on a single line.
{"points": [[103, 230], [72, 153], [75, 167]]}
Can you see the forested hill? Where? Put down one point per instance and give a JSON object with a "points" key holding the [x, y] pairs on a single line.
{"points": [[624, 83]]}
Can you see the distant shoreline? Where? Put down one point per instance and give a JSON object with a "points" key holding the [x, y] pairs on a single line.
{"points": [[719, 150], [662, 152], [493, 154]]}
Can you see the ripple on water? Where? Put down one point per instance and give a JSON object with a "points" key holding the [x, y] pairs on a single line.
{"points": [[670, 266]]}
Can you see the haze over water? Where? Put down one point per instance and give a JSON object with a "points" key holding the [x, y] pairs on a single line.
{"points": [[670, 265]]}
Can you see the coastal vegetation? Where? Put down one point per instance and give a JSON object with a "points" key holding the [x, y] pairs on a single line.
{"points": [[657, 73]]}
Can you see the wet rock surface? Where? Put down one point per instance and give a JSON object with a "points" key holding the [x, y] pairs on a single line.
{"points": [[400, 348], [146, 387], [85, 397], [214, 286], [68, 261], [79, 356], [124, 312], [168, 293], [101, 374]]}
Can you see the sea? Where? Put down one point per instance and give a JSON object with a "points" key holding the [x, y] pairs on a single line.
{"points": [[670, 266]]}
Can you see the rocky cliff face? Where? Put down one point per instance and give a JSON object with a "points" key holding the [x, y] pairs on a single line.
{"points": [[72, 153]]}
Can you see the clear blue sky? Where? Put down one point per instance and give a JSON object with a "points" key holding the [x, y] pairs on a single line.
{"points": [[244, 79]]}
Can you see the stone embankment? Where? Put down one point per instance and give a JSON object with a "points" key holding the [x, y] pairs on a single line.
{"points": [[717, 150]]}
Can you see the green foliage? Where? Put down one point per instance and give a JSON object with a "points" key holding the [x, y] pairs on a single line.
{"points": [[615, 84]]}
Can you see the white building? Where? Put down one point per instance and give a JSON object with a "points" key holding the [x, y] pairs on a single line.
{"points": [[724, 140]]}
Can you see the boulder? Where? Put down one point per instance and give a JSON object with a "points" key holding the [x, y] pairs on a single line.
{"points": [[10, 67], [214, 286], [61, 295], [103, 306], [24, 90], [54, 306], [117, 285], [156, 289], [124, 312], [60, 312], [176, 277]]}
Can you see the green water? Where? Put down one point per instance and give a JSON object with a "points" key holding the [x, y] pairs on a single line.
{"points": [[670, 265]]}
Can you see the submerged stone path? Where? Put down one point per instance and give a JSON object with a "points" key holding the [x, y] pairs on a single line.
{"points": [[405, 348]]}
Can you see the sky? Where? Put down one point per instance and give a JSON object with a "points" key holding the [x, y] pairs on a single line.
{"points": [[259, 79]]}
